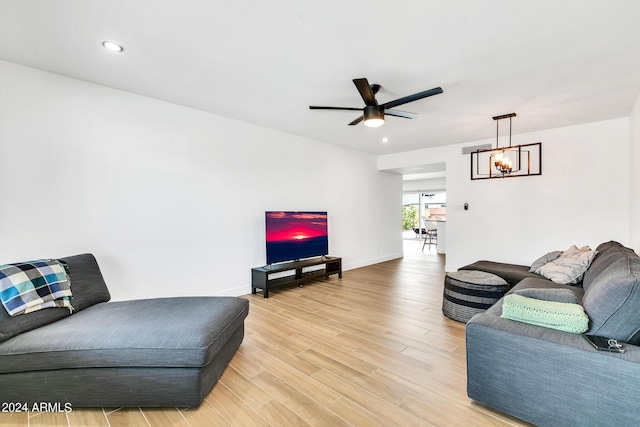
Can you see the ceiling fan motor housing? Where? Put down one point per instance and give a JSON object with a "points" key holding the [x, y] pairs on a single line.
{"points": [[373, 116], [373, 112]]}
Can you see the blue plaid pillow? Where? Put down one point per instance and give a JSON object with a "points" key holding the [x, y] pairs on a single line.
{"points": [[34, 285]]}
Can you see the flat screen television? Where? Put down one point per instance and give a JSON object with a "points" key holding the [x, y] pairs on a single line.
{"points": [[295, 235]]}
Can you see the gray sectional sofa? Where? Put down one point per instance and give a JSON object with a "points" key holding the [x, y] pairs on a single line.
{"points": [[554, 378], [152, 352]]}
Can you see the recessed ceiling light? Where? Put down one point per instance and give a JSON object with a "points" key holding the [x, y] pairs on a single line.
{"points": [[385, 140], [113, 46]]}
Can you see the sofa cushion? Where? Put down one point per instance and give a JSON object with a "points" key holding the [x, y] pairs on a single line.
{"points": [[88, 288], [612, 295], [162, 332], [530, 283], [549, 294]]}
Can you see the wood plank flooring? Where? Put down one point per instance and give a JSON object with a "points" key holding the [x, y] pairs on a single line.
{"points": [[372, 349]]}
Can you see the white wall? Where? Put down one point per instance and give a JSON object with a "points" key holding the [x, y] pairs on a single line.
{"points": [[170, 200], [582, 196], [634, 177], [435, 184]]}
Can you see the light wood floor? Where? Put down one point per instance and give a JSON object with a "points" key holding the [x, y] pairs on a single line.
{"points": [[372, 349]]}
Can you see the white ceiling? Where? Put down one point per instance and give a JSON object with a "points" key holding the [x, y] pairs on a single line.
{"points": [[554, 63]]}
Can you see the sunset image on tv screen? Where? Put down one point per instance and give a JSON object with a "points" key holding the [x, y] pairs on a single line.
{"points": [[295, 235]]}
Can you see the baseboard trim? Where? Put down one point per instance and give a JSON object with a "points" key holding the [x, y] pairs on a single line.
{"points": [[233, 292], [371, 261]]}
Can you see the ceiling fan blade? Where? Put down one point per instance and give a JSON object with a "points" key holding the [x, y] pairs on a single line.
{"points": [[365, 91], [314, 107], [403, 114], [411, 98], [356, 121]]}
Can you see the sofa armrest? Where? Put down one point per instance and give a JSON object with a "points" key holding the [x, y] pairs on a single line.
{"points": [[549, 377]]}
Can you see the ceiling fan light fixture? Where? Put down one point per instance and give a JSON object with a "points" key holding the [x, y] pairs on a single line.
{"points": [[373, 116]]}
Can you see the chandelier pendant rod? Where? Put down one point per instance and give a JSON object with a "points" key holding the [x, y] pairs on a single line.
{"points": [[497, 119]]}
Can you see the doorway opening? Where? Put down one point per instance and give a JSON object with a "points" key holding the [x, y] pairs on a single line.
{"points": [[424, 208]]}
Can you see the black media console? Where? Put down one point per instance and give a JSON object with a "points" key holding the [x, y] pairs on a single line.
{"points": [[260, 276]]}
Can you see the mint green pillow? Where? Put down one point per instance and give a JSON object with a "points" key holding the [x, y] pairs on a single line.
{"points": [[549, 314]]}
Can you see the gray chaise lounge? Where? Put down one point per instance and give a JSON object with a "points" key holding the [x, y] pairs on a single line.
{"points": [[554, 378], [154, 352]]}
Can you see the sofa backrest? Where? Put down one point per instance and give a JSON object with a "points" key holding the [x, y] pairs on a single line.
{"points": [[88, 288], [603, 258], [87, 283], [612, 293]]}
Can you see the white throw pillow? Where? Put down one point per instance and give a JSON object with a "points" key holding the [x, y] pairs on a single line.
{"points": [[546, 258], [569, 267]]}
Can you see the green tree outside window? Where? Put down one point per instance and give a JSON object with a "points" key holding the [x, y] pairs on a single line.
{"points": [[409, 217]]}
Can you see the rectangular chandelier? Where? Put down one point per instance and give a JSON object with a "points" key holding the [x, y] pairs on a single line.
{"points": [[507, 162]]}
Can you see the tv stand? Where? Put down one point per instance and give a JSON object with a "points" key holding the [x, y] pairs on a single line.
{"points": [[260, 275]]}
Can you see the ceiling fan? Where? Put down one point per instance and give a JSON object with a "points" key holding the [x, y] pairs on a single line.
{"points": [[373, 113]]}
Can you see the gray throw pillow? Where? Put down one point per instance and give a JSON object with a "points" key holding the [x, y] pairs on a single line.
{"points": [[569, 267], [549, 294], [548, 257]]}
